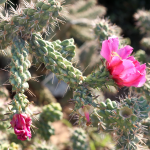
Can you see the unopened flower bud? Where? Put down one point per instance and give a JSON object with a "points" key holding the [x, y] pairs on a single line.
{"points": [[21, 124], [85, 111]]}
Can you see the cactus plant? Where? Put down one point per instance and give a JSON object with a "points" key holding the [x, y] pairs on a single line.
{"points": [[125, 119], [50, 113], [21, 31]]}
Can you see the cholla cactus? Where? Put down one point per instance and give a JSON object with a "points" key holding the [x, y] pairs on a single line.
{"points": [[80, 19], [50, 113], [105, 29], [146, 123], [79, 140], [23, 24], [125, 119], [21, 32]]}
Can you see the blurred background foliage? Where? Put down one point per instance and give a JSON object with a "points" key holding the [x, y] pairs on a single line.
{"points": [[78, 21]]}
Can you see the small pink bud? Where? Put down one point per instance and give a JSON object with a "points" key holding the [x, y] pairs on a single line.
{"points": [[21, 124], [86, 110]]}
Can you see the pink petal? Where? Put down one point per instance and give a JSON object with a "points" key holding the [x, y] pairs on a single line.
{"points": [[141, 81], [18, 132], [129, 67], [137, 79], [108, 46], [141, 68], [126, 67], [113, 43], [135, 62], [115, 61], [20, 137], [105, 51], [125, 51]]}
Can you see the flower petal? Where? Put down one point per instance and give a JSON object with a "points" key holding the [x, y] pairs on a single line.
{"points": [[126, 67], [137, 79], [108, 46], [105, 51], [113, 43], [125, 51], [135, 62]]}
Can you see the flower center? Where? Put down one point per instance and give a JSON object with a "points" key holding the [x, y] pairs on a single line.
{"points": [[113, 54]]}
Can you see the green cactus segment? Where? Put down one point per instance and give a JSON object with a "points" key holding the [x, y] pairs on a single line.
{"points": [[128, 141], [66, 48], [124, 118], [19, 67], [51, 112], [20, 104], [126, 115], [104, 29], [19, 75], [99, 78], [55, 62], [29, 20], [82, 97], [45, 129], [79, 140]]}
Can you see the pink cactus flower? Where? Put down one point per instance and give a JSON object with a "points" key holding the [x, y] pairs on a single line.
{"points": [[21, 124], [125, 70]]}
